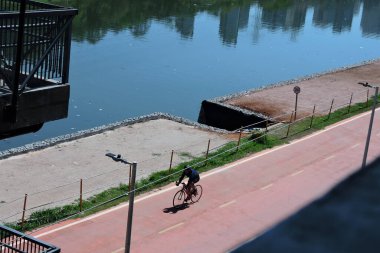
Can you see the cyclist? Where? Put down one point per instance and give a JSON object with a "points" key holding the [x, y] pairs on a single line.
{"points": [[193, 176]]}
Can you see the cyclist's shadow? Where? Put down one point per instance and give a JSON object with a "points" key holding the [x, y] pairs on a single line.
{"points": [[177, 208]]}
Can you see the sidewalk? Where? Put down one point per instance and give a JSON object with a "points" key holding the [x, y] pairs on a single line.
{"points": [[240, 201]]}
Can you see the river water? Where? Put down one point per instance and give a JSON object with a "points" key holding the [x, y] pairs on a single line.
{"points": [[135, 57]]}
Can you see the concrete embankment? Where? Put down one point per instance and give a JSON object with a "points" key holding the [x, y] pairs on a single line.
{"points": [[276, 102]]}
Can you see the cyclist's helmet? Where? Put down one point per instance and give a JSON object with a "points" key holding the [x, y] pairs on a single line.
{"points": [[187, 169]]}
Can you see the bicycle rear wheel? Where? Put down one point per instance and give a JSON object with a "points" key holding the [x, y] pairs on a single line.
{"points": [[179, 198], [196, 196]]}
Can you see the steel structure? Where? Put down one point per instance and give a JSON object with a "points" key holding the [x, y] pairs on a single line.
{"points": [[35, 41], [12, 241]]}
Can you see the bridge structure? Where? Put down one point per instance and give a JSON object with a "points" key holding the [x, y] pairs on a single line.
{"points": [[35, 42]]}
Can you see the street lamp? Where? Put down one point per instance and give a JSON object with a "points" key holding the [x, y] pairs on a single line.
{"points": [[371, 121], [296, 91], [118, 158]]}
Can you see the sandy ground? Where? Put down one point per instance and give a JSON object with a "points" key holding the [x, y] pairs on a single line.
{"points": [[279, 101], [52, 175]]}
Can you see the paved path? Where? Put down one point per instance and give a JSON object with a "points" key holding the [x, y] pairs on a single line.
{"points": [[240, 200]]}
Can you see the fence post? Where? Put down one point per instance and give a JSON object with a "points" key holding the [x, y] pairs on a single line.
{"points": [[266, 130], [208, 148], [238, 143], [312, 117], [171, 160], [349, 106], [81, 196], [23, 211], [290, 122], [332, 102], [367, 96]]}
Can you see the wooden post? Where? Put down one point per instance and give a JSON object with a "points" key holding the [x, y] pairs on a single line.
{"points": [[81, 195], [332, 102], [238, 143], [23, 211], [266, 131], [290, 122], [312, 117], [171, 160], [208, 149], [349, 106]]}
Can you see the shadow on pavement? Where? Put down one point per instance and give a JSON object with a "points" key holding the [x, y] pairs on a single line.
{"points": [[175, 209]]}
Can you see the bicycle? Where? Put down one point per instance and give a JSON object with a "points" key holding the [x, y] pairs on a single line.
{"points": [[181, 195]]}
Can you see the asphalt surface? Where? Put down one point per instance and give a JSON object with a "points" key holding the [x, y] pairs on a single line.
{"points": [[240, 201]]}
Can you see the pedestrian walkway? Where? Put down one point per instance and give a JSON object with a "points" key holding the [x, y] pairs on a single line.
{"points": [[240, 200]]}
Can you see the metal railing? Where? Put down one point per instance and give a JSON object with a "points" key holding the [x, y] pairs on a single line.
{"points": [[46, 42], [14, 241]]}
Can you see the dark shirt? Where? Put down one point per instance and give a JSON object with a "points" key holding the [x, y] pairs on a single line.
{"points": [[190, 173]]}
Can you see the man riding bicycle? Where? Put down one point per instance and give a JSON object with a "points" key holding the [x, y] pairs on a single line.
{"points": [[193, 176]]}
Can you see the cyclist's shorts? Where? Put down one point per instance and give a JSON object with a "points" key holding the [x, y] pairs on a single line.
{"points": [[194, 179]]}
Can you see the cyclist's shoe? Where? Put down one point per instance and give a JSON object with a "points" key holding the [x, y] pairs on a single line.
{"points": [[187, 199], [195, 193]]}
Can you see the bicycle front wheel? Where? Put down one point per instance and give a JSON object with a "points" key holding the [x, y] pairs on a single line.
{"points": [[179, 198], [196, 196]]}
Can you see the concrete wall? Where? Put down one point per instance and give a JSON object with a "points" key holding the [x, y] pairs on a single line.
{"points": [[35, 107], [227, 117]]}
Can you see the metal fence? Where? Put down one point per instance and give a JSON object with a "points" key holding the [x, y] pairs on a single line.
{"points": [[14, 241]]}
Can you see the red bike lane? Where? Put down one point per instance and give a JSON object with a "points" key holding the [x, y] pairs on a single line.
{"points": [[239, 201]]}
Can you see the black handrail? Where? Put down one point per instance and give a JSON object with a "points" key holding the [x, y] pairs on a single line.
{"points": [[14, 241]]}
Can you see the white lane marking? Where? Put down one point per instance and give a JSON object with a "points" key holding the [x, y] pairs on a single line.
{"points": [[227, 204], [296, 173], [207, 174], [328, 158], [119, 250], [356, 145], [171, 228], [266, 187]]}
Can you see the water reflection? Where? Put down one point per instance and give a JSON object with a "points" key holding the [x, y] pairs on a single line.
{"points": [[231, 22], [336, 14], [370, 22], [96, 17]]}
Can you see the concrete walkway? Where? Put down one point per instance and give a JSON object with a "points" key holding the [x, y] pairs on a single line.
{"points": [[240, 200]]}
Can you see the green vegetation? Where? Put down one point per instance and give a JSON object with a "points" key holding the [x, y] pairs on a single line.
{"points": [[251, 144]]}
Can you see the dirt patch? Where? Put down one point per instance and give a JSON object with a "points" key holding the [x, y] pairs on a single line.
{"points": [[279, 101]]}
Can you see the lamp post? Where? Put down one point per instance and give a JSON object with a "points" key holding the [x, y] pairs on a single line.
{"points": [[117, 158], [296, 90], [370, 122]]}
